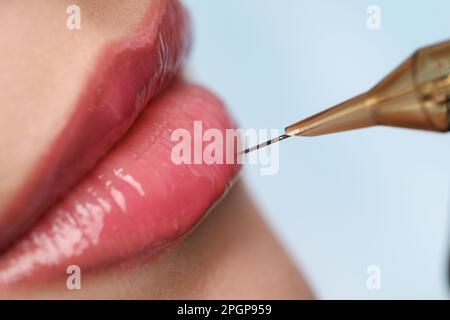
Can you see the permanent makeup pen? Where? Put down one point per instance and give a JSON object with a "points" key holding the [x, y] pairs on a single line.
{"points": [[415, 95]]}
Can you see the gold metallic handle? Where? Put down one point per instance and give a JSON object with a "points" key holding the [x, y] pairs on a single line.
{"points": [[415, 95]]}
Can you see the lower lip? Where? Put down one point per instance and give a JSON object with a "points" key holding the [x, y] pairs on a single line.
{"points": [[136, 200]]}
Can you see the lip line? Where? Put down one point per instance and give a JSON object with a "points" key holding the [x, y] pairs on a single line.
{"points": [[163, 38]]}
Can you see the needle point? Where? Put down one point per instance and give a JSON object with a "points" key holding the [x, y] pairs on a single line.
{"points": [[264, 144]]}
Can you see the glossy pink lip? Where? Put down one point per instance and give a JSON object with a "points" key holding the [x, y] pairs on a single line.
{"points": [[135, 200]]}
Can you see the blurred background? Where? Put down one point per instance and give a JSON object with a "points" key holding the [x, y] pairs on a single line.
{"points": [[343, 202]]}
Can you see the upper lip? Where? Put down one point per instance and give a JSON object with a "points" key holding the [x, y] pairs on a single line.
{"points": [[134, 199]]}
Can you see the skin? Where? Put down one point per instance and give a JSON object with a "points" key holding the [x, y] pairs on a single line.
{"points": [[231, 254]]}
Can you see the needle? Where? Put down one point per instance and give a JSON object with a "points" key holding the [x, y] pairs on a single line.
{"points": [[262, 145]]}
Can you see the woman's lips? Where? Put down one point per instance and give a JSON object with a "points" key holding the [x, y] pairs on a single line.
{"points": [[128, 74], [127, 197], [135, 201]]}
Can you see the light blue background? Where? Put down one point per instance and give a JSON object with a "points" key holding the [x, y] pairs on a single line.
{"points": [[340, 202]]}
